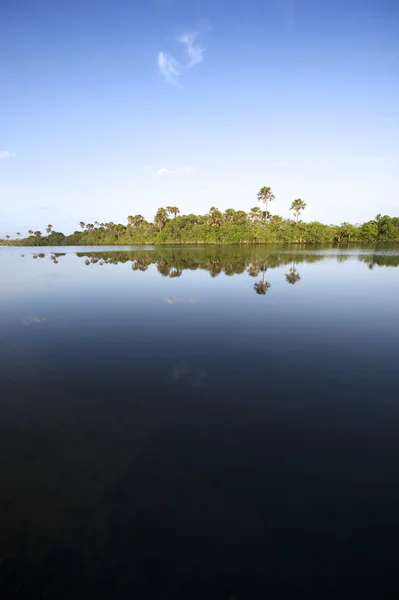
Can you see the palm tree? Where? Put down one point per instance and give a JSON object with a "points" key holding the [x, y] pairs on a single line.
{"points": [[30, 232], [18, 234], [173, 210], [161, 218], [7, 237], [82, 224], [215, 216], [255, 214], [265, 195], [49, 229], [297, 206], [135, 221], [37, 234], [229, 215]]}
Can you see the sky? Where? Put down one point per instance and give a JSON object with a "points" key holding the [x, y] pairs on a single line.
{"points": [[115, 107]]}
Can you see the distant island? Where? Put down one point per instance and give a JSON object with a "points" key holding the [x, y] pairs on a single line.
{"points": [[258, 226]]}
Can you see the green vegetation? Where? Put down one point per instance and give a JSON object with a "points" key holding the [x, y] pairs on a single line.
{"points": [[230, 227]]}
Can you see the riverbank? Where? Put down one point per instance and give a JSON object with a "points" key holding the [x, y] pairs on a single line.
{"points": [[232, 227]]}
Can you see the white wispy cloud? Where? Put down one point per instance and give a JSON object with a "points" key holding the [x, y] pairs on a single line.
{"points": [[275, 164], [194, 51], [168, 67], [162, 171], [4, 154]]}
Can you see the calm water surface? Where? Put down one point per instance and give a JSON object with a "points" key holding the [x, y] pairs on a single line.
{"points": [[199, 423]]}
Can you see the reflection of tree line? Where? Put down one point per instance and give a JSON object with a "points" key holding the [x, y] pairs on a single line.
{"points": [[231, 261], [380, 260], [172, 264], [216, 260]]}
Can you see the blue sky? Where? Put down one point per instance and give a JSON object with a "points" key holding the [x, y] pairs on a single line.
{"points": [[117, 107]]}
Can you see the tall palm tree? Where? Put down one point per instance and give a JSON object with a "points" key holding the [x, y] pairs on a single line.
{"points": [[161, 218], [215, 216], [49, 229], [298, 206], [135, 221], [7, 237], [173, 210], [18, 234], [265, 195], [82, 224], [30, 232]]}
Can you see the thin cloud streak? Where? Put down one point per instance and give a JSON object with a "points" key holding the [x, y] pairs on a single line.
{"points": [[162, 171], [5, 154], [168, 67], [194, 51]]}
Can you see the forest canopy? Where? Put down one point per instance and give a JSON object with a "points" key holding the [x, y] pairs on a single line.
{"points": [[258, 226]]}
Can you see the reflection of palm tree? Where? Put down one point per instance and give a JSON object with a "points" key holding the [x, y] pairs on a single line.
{"points": [[292, 276], [175, 273], [163, 268], [261, 287], [253, 270], [139, 265]]}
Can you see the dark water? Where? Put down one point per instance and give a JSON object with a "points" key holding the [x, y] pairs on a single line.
{"points": [[199, 423]]}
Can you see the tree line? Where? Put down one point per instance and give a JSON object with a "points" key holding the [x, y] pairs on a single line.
{"points": [[258, 226]]}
